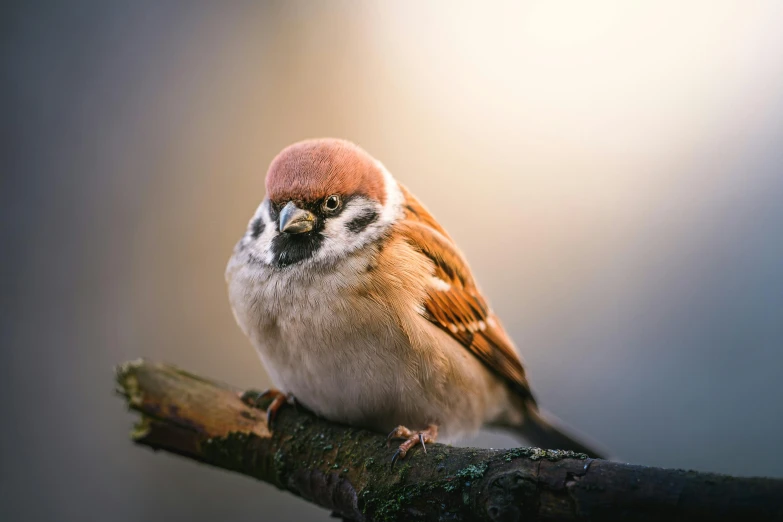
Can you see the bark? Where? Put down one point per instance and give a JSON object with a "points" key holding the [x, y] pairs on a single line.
{"points": [[347, 470]]}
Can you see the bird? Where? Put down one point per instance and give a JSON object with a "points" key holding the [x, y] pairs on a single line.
{"points": [[364, 310]]}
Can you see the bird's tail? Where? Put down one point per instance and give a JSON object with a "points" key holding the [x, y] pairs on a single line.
{"points": [[544, 430]]}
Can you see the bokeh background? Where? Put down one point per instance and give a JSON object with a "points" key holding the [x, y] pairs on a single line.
{"points": [[634, 150]]}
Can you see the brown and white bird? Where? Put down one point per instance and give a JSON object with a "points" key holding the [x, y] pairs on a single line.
{"points": [[362, 307]]}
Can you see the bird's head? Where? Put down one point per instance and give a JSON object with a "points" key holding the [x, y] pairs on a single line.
{"points": [[324, 199]]}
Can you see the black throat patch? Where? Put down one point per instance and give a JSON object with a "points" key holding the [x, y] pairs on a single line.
{"points": [[288, 249]]}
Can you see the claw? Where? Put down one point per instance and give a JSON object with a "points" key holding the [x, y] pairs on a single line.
{"points": [[410, 439], [256, 399], [397, 455], [272, 409]]}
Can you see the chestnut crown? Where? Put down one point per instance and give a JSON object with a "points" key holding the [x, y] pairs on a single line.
{"points": [[312, 170]]}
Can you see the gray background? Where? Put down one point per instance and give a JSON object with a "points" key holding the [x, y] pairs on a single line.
{"points": [[634, 149]]}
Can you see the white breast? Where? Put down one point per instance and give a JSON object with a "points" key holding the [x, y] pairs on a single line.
{"points": [[322, 341], [340, 350]]}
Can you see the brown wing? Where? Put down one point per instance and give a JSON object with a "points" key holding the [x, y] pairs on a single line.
{"points": [[455, 304]]}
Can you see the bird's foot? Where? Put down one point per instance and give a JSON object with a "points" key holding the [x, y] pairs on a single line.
{"points": [[270, 400], [410, 439]]}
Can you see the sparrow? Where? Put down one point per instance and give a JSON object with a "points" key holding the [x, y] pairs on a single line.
{"points": [[364, 310]]}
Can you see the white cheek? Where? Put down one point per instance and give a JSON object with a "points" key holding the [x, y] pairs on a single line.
{"points": [[261, 247], [337, 227], [338, 239], [265, 240]]}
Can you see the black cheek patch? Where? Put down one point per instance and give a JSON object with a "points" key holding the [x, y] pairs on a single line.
{"points": [[362, 221], [257, 228]]}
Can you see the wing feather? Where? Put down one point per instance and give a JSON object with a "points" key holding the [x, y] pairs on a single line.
{"points": [[457, 305]]}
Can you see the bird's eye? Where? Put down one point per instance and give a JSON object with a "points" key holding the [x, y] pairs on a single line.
{"points": [[332, 203]]}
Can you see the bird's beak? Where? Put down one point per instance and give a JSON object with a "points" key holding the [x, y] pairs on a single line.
{"points": [[294, 220]]}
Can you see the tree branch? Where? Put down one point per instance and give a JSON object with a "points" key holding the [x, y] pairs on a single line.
{"points": [[347, 470]]}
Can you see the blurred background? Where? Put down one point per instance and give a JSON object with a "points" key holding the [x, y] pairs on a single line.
{"points": [[634, 148]]}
